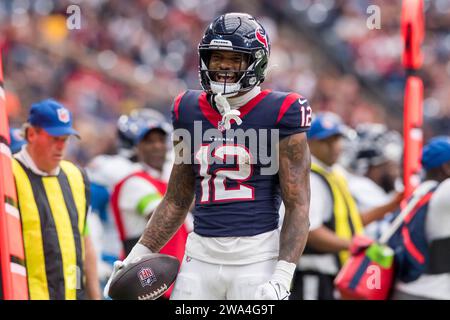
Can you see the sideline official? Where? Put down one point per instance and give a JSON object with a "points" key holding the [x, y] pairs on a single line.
{"points": [[53, 199]]}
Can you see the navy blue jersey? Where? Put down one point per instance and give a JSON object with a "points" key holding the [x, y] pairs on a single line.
{"points": [[237, 190]]}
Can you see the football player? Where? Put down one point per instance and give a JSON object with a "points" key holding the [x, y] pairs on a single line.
{"points": [[375, 170], [236, 250]]}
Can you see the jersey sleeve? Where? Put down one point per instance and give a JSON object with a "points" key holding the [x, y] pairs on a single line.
{"points": [[138, 197], [294, 115], [176, 123]]}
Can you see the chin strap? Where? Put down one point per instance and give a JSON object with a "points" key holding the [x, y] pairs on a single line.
{"points": [[228, 114]]}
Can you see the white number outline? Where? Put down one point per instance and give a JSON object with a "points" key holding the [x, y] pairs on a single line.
{"points": [[211, 181], [306, 116]]}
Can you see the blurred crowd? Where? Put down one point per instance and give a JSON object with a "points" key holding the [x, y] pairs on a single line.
{"points": [[374, 55], [143, 53]]}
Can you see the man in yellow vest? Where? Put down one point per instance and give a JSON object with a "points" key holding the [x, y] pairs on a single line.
{"points": [[53, 199], [334, 216]]}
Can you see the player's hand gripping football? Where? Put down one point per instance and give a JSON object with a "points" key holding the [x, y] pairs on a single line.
{"points": [[278, 287], [137, 251]]}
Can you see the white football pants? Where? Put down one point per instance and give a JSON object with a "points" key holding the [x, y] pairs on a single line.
{"points": [[199, 280]]}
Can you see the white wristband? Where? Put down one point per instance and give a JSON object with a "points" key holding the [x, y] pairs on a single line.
{"points": [[137, 251], [284, 272]]}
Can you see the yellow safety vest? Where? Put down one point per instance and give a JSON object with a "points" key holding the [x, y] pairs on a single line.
{"points": [[53, 211], [347, 220]]}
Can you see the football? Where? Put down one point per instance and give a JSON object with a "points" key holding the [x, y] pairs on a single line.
{"points": [[146, 278]]}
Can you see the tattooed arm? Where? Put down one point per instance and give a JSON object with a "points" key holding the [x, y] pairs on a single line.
{"points": [[171, 212], [293, 173], [165, 220], [295, 164]]}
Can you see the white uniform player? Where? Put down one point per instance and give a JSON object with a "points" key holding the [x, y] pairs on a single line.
{"points": [[373, 159], [361, 187], [104, 172]]}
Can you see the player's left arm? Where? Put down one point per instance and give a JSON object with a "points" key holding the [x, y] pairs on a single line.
{"points": [[294, 169], [294, 119]]}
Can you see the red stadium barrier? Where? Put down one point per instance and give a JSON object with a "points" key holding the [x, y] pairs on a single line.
{"points": [[413, 31], [412, 133], [12, 260]]}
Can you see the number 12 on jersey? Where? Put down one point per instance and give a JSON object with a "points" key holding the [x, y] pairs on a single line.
{"points": [[213, 185]]}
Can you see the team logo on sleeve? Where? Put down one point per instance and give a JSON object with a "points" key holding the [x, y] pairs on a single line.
{"points": [[262, 38], [146, 276]]}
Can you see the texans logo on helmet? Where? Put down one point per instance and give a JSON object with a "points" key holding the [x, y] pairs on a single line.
{"points": [[261, 37], [146, 276]]}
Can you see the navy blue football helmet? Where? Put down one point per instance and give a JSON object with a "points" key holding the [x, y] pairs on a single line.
{"points": [[130, 127], [375, 145], [237, 32]]}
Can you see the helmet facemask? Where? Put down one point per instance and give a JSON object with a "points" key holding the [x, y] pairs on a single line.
{"points": [[233, 81], [238, 33]]}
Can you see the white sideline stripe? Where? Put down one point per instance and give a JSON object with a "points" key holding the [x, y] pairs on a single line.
{"points": [[2, 93], [5, 150], [18, 269], [12, 210]]}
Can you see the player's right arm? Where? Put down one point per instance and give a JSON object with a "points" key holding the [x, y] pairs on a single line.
{"points": [[171, 212], [166, 219]]}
